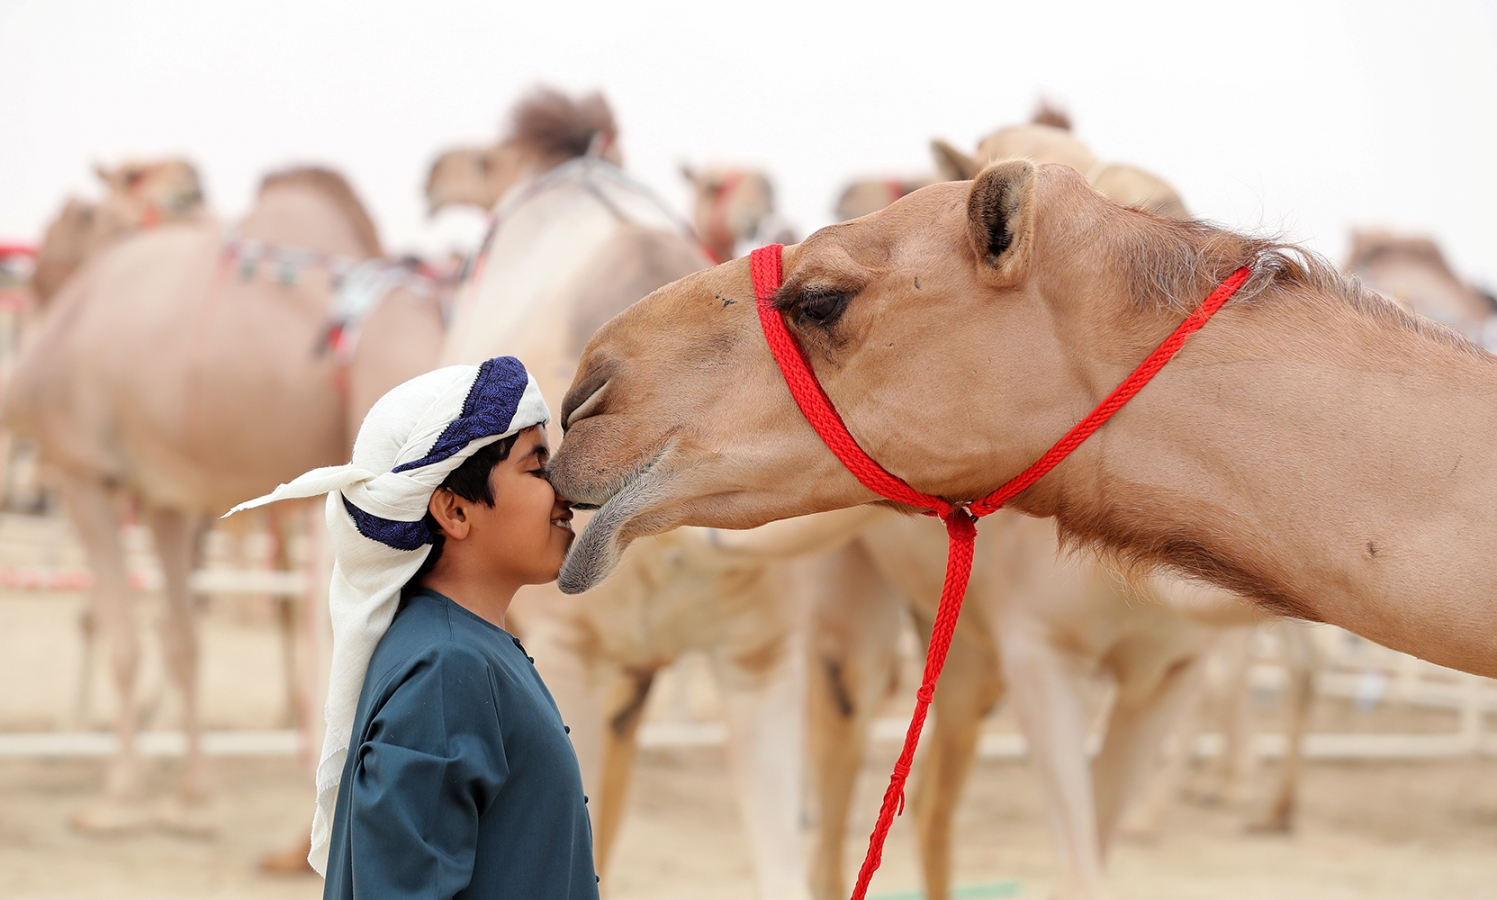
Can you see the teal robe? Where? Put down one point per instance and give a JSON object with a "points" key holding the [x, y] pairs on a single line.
{"points": [[461, 781]]}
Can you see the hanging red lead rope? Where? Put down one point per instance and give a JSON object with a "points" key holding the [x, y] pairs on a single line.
{"points": [[961, 519]]}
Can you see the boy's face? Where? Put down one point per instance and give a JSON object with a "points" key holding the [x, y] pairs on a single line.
{"points": [[525, 535]]}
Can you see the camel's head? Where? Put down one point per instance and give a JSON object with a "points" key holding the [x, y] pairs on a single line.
{"points": [[1412, 272], [730, 205], [546, 129], [465, 176], [679, 415], [153, 191]]}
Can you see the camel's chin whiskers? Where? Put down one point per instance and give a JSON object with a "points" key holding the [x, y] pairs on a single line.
{"points": [[596, 551]]}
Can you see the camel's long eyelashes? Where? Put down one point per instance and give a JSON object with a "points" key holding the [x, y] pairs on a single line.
{"points": [[819, 307]]}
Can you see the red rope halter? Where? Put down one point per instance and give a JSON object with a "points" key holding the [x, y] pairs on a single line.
{"points": [[960, 519]]}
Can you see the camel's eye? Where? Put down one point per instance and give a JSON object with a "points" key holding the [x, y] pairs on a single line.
{"points": [[823, 306]]}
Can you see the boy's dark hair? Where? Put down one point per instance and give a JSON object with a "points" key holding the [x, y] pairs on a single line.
{"points": [[470, 480]]}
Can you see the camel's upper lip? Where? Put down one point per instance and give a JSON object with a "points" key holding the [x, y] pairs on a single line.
{"points": [[603, 497]]}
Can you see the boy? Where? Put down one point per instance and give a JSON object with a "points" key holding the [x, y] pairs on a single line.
{"points": [[447, 771]]}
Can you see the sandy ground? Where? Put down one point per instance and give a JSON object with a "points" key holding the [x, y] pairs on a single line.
{"points": [[1368, 830], [1389, 830]]}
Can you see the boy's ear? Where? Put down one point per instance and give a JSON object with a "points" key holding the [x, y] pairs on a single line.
{"points": [[451, 513]]}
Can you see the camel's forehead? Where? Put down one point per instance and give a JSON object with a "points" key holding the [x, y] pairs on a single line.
{"points": [[936, 212]]}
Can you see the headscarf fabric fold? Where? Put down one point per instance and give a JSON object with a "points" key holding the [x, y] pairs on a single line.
{"points": [[411, 440]]}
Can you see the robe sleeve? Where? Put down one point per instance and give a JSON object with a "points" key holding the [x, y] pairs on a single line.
{"points": [[432, 762]]}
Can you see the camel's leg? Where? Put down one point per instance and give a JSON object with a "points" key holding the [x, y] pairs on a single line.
{"points": [[1049, 688], [764, 705], [1301, 658], [88, 632], [852, 659], [176, 536], [969, 688], [95, 516], [1139, 722], [1233, 767], [1146, 820], [556, 634], [625, 693], [291, 616], [314, 641]]}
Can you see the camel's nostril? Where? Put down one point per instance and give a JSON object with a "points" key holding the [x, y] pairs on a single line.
{"points": [[588, 407], [586, 396]]}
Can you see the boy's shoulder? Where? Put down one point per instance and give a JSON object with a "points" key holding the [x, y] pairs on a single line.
{"points": [[429, 628]]}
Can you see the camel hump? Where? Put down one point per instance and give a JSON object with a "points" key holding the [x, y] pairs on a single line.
{"points": [[338, 191], [556, 127]]}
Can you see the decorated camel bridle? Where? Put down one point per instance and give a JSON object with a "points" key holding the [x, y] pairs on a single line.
{"points": [[960, 517]]}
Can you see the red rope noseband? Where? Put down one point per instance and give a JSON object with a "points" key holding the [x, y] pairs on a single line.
{"points": [[961, 519]]}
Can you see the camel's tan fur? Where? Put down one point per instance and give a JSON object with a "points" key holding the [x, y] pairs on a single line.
{"points": [[160, 372], [138, 195], [1313, 448]]}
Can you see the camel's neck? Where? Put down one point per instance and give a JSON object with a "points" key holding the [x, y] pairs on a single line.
{"points": [[1331, 464]]}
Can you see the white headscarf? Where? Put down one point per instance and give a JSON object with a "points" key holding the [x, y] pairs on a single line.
{"points": [[409, 443]]}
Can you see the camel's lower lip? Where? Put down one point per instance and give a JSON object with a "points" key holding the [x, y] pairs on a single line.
{"points": [[596, 551]]}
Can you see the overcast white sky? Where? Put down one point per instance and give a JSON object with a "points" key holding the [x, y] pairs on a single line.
{"points": [[1302, 117]]}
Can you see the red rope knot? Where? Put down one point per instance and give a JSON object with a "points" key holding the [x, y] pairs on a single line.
{"points": [[896, 784], [926, 694]]}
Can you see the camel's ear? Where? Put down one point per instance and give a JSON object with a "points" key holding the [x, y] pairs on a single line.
{"points": [[1000, 220], [953, 164]]}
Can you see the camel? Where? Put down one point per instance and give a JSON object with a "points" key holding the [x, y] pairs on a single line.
{"points": [[733, 205], [1412, 272], [138, 195], [1313, 448], [178, 367], [867, 195], [1038, 625], [1118, 632], [1048, 139], [479, 176]]}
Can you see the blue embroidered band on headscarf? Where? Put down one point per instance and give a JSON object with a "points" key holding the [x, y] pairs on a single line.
{"points": [[400, 535], [487, 411]]}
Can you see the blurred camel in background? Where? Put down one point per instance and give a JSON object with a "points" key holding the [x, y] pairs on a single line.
{"points": [[732, 206], [1412, 272], [180, 368], [868, 195], [139, 195], [479, 176], [1048, 139]]}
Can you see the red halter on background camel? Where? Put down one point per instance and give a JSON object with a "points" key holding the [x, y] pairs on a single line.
{"points": [[1313, 448]]}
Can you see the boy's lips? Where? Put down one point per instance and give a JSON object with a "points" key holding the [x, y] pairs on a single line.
{"points": [[564, 522]]}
